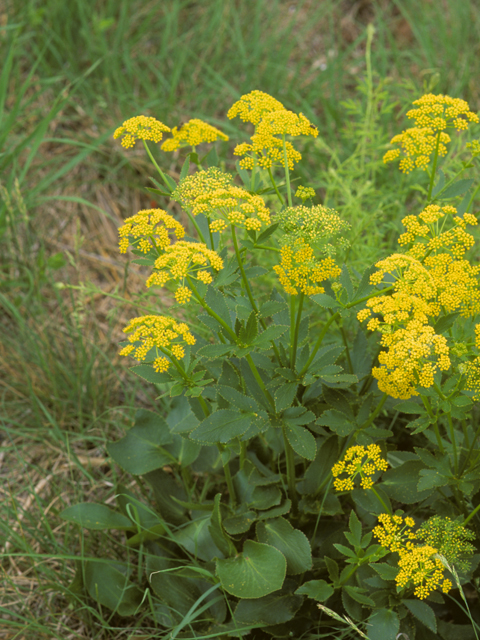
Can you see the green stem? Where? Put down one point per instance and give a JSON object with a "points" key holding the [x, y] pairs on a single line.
{"points": [[192, 220], [375, 413], [162, 175], [243, 453], [226, 467], [279, 195], [249, 291], [210, 311], [379, 498], [228, 478], [296, 328], [434, 167], [454, 443], [467, 458], [289, 457], [468, 518], [287, 172], [259, 380], [319, 342]]}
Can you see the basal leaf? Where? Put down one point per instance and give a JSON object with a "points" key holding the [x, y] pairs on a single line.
{"points": [[96, 516], [222, 426], [318, 590], [291, 542], [108, 584], [259, 570], [273, 609]]}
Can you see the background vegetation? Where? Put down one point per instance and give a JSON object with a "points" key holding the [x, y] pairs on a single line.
{"points": [[71, 73]]}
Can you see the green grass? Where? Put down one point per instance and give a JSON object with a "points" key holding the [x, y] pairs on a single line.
{"points": [[66, 186]]}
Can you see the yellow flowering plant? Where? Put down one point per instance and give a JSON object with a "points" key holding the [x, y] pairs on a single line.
{"points": [[303, 402]]}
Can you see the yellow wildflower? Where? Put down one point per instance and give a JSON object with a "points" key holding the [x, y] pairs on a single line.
{"points": [[434, 114], [299, 269], [252, 106], [161, 334], [304, 193], [151, 226], [184, 259], [140, 128], [394, 532], [232, 206], [313, 225], [191, 134], [266, 148], [200, 183], [441, 112], [422, 568], [358, 461]]}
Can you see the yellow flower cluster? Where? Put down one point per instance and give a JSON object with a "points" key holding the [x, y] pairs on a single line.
{"points": [[252, 106], [145, 226], [430, 278], [233, 206], [414, 354], [394, 532], [304, 193], [440, 112], [271, 119], [310, 224], [191, 134], [140, 128], [422, 568], [420, 565], [471, 370], [416, 143], [474, 148], [434, 114], [300, 270], [184, 259], [200, 183], [358, 460], [161, 333]]}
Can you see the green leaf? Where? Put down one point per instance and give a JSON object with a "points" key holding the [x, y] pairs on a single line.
{"points": [[285, 395], [301, 441], [456, 189], [271, 307], [250, 331], [346, 551], [325, 301], [237, 399], [408, 406], [384, 570], [423, 612], [140, 451], [267, 233], [266, 497], [259, 570], [273, 609], [291, 542], [401, 483], [196, 538], [316, 589], [440, 184], [357, 594], [213, 351], [297, 415], [220, 538], [148, 373], [383, 624], [355, 527], [96, 516], [430, 479], [108, 584], [346, 281], [444, 323], [216, 301], [240, 523], [222, 426], [272, 332], [337, 422]]}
